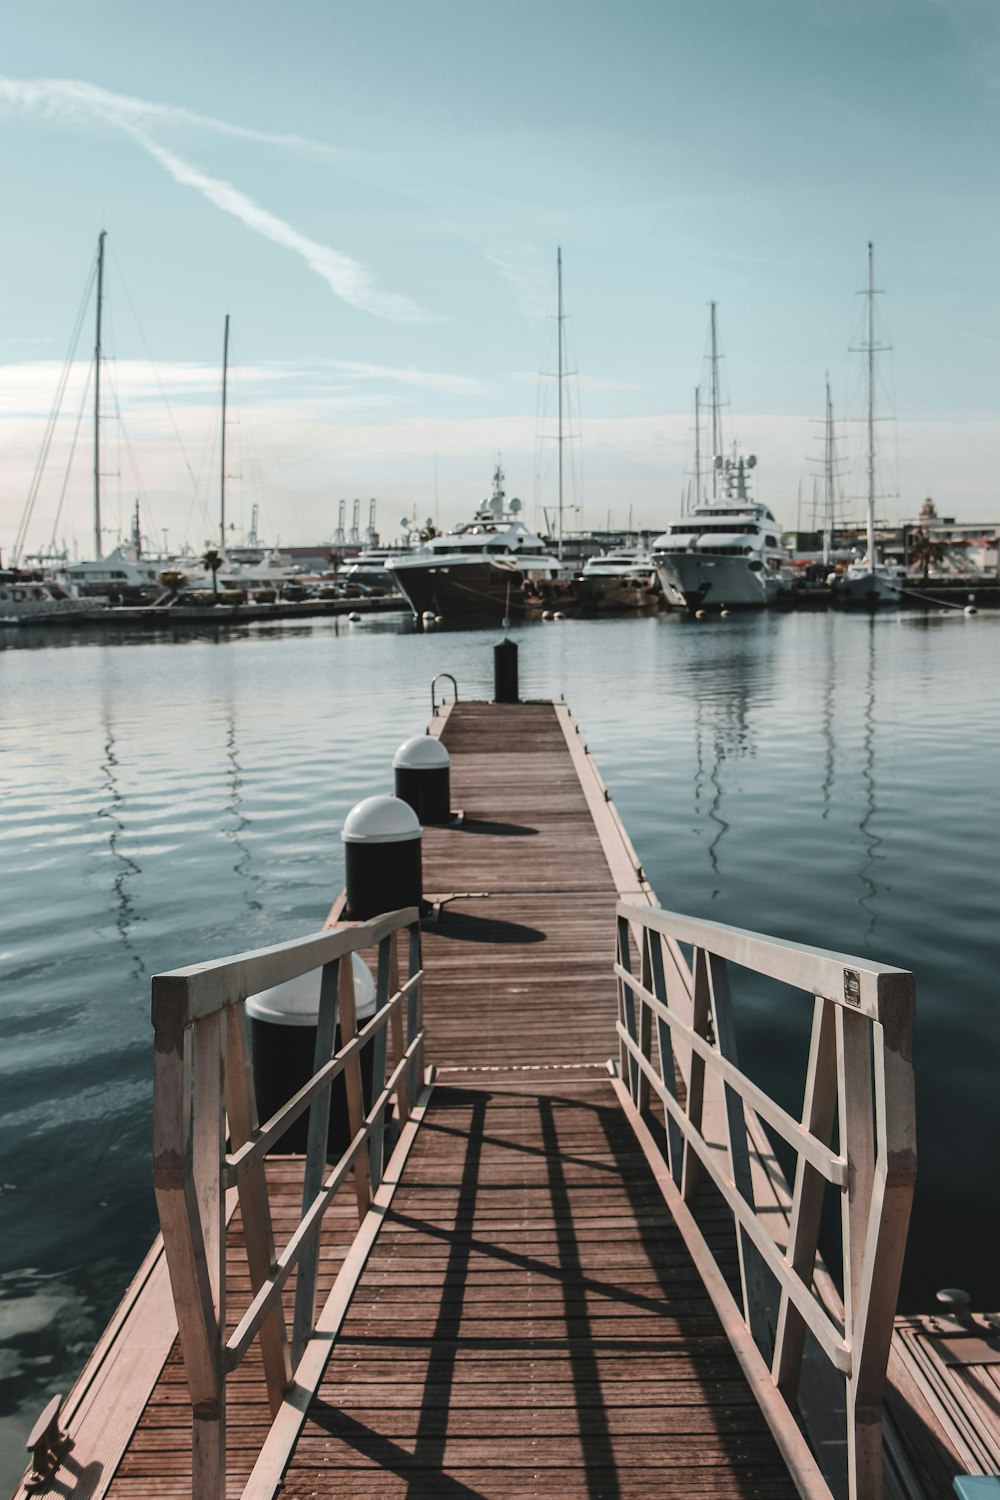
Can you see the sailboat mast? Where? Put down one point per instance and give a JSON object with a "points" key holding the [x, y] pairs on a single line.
{"points": [[716, 404], [871, 407], [97, 396], [697, 445], [222, 474], [828, 477], [559, 325]]}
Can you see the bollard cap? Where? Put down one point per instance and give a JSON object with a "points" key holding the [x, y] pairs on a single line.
{"points": [[381, 820], [296, 1002], [422, 753]]}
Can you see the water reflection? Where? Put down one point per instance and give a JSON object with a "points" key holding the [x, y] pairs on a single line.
{"points": [[826, 723], [124, 865], [710, 753], [723, 731], [872, 841], [243, 868]]}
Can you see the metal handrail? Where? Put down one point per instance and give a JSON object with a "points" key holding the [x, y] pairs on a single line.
{"points": [[860, 1073], [434, 683]]}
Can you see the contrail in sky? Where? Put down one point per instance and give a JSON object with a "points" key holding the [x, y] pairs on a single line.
{"points": [[70, 102], [348, 278]]}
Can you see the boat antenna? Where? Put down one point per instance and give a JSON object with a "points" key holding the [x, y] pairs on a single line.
{"points": [[222, 445], [97, 395], [559, 326]]}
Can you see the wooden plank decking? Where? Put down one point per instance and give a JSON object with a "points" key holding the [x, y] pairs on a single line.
{"points": [[529, 1321]]}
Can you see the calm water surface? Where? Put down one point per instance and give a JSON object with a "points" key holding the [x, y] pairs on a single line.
{"points": [[828, 779]]}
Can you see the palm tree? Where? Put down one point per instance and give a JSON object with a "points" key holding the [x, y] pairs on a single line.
{"points": [[336, 562], [212, 560], [925, 551]]}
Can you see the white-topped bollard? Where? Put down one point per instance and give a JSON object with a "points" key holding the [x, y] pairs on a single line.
{"points": [[283, 1023], [422, 769], [383, 869]]}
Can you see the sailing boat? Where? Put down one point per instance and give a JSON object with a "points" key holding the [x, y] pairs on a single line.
{"points": [[870, 583]]}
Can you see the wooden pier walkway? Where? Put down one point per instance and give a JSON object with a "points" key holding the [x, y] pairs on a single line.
{"points": [[529, 1321], [522, 1314]]}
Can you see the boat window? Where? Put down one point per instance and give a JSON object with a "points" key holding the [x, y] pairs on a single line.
{"points": [[771, 541]]}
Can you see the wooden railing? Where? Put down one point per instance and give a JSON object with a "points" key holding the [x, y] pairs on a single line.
{"points": [[674, 984], [202, 1077]]}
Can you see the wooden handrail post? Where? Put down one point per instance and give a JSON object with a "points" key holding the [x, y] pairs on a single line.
{"points": [[403, 1094], [378, 1044], [665, 1048], [353, 1087], [818, 1106], [696, 1079], [645, 1027], [316, 1150], [258, 1234]]}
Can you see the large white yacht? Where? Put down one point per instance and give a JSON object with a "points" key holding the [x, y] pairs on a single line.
{"points": [[725, 553], [490, 566]]}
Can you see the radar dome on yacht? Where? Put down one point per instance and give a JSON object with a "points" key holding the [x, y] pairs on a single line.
{"points": [[752, 461], [515, 505]]}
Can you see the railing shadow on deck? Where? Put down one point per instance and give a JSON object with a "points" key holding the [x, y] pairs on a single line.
{"points": [[207, 1141], [674, 985]]}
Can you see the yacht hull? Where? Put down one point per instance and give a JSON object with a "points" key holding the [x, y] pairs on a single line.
{"points": [[608, 593], [476, 588], [869, 591], [696, 581]]}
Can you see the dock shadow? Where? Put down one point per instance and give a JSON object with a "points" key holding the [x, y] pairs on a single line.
{"points": [[497, 829], [466, 927]]}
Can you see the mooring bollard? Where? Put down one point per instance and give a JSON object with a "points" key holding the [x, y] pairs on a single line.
{"points": [[383, 869], [505, 671], [422, 768], [283, 1023]]}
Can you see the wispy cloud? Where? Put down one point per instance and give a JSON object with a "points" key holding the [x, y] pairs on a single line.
{"points": [[529, 274], [584, 382], [428, 380], [69, 102]]}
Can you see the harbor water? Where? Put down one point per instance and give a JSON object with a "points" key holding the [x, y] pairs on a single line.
{"points": [[826, 778]]}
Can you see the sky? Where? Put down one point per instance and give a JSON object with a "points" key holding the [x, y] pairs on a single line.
{"points": [[374, 193]]}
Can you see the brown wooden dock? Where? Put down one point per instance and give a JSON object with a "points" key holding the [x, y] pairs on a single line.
{"points": [[526, 1317]]}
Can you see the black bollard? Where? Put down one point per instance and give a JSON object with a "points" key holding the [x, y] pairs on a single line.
{"points": [[382, 858], [422, 768], [283, 1023], [505, 671]]}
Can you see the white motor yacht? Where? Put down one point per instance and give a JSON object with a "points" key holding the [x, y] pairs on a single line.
{"points": [[726, 553], [490, 566]]}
